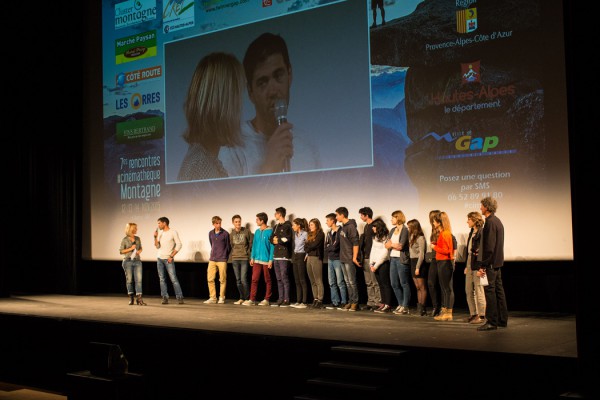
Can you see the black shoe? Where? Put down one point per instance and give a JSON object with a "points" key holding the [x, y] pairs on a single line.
{"points": [[436, 312], [487, 327], [502, 325], [165, 300]]}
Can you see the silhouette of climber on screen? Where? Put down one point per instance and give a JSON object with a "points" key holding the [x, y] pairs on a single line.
{"points": [[374, 5]]}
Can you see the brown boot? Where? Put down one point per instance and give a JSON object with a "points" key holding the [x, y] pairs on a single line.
{"points": [[140, 301], [131, 297], [447, 315], [441, 316]]}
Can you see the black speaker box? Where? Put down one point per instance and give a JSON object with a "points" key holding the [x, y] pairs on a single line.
{"points": [[106, 359]]}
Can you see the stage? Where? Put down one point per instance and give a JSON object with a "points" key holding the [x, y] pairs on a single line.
{"points": [[46, 338]]}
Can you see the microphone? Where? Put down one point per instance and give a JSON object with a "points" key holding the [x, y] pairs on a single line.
{"points": [[280, 111], [281, 117]]}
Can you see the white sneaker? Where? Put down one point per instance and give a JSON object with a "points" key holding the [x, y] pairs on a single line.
{"points": [[400, 310], [301, 305], [211, 301], [240, 301], [221, 300], [249, 303], [265, 302]]}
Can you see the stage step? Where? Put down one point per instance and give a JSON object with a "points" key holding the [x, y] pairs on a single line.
{"points": [[355, 372]]}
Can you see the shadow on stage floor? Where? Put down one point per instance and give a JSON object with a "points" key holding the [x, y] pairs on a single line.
{"points": [[189, 350]]}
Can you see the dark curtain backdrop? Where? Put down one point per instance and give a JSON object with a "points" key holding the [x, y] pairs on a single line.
{"points": [[42, 146]]}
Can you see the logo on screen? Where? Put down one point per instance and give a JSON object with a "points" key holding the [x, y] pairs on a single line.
{"points": [[476, 144], [267, 3], [178, 14], [470, 72], [466, 20], [137, 100], [133, 12], [468, 144], [135, 47], [138, 75]]}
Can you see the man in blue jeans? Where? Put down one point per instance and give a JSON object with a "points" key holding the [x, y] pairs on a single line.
{"points": [[349, 255], [282, 239], [241, 245], [339, 292], [168, 244]]}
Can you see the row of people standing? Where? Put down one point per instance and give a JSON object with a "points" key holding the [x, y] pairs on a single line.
{"points": [[301, 244], [390, 259]]}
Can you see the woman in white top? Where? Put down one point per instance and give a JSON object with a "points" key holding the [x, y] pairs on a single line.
{"points": [[399, 262], [380, 264]]}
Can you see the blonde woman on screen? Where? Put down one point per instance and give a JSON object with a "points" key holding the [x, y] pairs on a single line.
{"points": [[213, 110]]}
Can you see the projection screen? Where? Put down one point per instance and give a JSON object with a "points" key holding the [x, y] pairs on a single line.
{"points": [[446, 103]]}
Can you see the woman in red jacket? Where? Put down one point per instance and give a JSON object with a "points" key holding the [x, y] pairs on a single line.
{"points": [[444, 256]]}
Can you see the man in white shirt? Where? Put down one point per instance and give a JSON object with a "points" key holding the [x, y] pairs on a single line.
{"points": [[168, 244], [270, 146]]}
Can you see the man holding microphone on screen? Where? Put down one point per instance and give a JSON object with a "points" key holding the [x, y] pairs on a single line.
{"points": [[269, 146]]}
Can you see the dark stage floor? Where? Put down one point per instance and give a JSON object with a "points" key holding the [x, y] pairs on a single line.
{"points": [[535, 338], [528, 333]]}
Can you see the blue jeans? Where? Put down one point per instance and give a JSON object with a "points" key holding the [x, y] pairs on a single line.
{"points": [[240, 269], [133, 271], [170, 267], [283, 279], [400, 276], [337, 284], [350, 277]]}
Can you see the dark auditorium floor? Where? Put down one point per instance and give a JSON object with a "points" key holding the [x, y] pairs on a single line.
{"points": [[533, 341]]}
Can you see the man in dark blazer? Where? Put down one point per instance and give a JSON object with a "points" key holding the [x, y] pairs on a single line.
{"points": [[491, 254]]}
